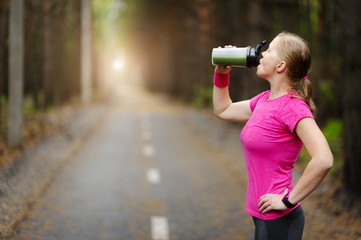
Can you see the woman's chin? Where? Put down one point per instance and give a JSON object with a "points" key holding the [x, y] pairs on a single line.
{"points": [[259, 72]]}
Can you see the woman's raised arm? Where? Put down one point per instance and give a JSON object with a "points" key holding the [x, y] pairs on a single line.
{"points": [[223, 106]]}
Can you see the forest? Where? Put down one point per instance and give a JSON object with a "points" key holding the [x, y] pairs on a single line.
{"points": [[167, 44]]}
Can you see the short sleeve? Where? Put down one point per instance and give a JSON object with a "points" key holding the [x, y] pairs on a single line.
{"points": [[255, 99], [295, 110]]}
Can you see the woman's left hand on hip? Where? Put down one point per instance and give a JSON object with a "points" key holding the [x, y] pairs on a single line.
{"points": [[271, 202]]}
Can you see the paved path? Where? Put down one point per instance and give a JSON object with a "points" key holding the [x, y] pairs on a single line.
{"points": [[152, 170]]}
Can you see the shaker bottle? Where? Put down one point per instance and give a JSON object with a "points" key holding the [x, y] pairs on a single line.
{"points": [[238, 57]]}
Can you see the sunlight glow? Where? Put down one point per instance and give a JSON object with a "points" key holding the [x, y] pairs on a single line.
{"points": [[119, 64]]}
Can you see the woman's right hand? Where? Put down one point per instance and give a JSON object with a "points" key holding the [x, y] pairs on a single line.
{"points": [[224, 69]]}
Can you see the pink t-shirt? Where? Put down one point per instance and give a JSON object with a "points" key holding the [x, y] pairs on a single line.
{"points": [[271, 147]]}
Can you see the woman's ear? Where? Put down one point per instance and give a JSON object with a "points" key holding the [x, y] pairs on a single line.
{"points": [[281, 66]]}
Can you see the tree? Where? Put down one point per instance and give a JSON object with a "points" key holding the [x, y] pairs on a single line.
{"points": [[351, 66], [4, 23], [50, 44], [61, 54], [33, 65], [85, 52], [16, 33]]}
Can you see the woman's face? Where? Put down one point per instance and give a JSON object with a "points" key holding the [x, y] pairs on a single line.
{"points": [[269, 61]]}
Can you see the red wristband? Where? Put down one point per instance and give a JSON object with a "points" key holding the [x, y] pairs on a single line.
{"points": [[221, 80]]}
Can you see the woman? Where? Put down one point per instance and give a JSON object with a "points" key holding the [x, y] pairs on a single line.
{"points": [[279, 122]]}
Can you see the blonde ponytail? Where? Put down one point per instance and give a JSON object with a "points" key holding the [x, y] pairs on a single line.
{"points": [[295, 51], [304, 92]]}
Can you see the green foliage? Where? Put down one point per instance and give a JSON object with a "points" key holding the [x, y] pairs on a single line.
{"points": [[29, 106], [40, 99], [328, 93], [115, 19], [314, 15], [304, 157], [333, 134], [71, 30], [202, 96], [3, 100], [100, 11]]}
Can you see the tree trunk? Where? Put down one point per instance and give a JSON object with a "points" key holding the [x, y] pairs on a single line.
{"points": [[49, 55], [351, 48], [16, 40], [33, 51], [4, 23], [85, 53]]}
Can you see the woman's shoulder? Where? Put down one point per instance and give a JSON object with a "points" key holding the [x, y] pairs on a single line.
{"points": [[265, 94], [260, 97], [293, 110], [295, 106], [294, 100]]}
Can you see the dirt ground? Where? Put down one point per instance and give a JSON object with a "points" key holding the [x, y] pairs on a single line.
{"points": [[36, 126], [329, 215]]}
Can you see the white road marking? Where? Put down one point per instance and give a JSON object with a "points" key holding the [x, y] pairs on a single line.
{"points": [[153, 175], [146, 135], [145, 124], [148, 150], [160, 229], [159, 225]]}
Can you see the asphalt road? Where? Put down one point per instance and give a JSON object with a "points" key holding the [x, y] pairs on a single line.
{"points": [[153, 169]]}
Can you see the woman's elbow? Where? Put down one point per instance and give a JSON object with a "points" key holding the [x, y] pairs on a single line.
{"points": [[219, 115], [327, 161], [218, 112]]}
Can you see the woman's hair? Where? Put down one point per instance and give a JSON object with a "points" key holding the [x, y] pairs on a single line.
{"points": [[295, 51]]}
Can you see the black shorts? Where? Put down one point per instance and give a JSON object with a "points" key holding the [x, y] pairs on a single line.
{"points": [[288, 227]]}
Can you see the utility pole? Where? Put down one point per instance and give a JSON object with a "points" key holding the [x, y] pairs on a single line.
{"points": [[86, 85], [16, 72]]}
